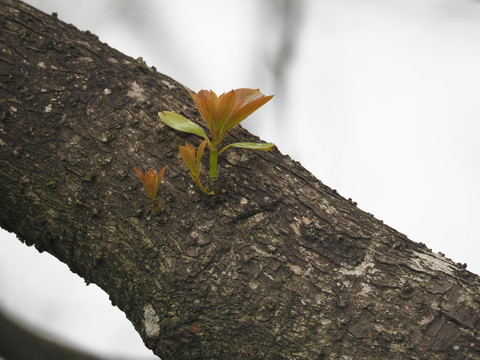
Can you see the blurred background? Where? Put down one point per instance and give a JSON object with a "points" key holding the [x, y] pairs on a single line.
{"points": [[378, 99]]}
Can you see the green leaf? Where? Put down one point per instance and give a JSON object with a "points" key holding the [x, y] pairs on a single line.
{"points": [[248, 145], [180, 123]]}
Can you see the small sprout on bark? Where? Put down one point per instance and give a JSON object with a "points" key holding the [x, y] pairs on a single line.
{"points": [[193, 160], [151, 182], [221, 114]]}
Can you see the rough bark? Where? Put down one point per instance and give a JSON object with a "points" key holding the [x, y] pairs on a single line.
{"points": [[279, 266]]}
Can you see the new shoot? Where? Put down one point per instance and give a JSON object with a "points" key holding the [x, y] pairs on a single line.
{"points": [[151, 182], [221, 114]]}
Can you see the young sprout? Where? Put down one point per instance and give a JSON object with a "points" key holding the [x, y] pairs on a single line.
{"points": [[221, 114], [193, 162], [151, 182]]}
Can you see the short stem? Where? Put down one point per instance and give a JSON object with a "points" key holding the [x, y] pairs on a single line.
{"points": [[199, 184], [213, 164], [157, 209]]}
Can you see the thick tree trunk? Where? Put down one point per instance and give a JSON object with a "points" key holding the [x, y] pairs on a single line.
{"points": [[278, 266]]}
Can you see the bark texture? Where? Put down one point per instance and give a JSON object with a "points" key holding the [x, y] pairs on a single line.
{"points": [[279, 266]]}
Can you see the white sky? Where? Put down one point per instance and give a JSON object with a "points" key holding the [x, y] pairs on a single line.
{"points": [[381, 102]]}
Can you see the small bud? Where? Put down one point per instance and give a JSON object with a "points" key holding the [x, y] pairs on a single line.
{"points": [[151, 182]]}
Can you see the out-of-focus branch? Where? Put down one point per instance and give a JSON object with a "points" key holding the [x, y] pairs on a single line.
{"points": [[18, 343]]}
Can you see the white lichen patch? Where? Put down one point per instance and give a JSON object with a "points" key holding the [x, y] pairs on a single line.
{"points": [[41, 64], [48, 108], [306, 221], [107, 91], [433, 262], [296, 269], [366, 267], [151, 321], [295, 229], [136, 92], [328, 208], [366, 289], [260, 251], [319, 299], [425, 320], [256, 219], [325, 322], [168, 84], [86, 59]]}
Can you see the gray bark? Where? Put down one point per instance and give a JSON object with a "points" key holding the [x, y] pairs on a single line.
{"points": [[277, 266]]}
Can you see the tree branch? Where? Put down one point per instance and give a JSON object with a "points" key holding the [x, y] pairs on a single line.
{"points": [[16, 342], [280, 266]]}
